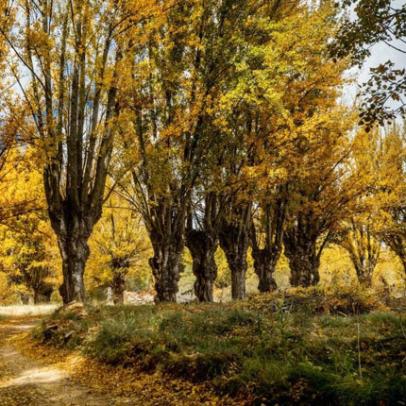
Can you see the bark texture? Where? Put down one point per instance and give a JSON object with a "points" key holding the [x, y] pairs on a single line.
{"points": [[269, 225], [74, 252], [203, 247], [166, 226], [202, 242], [303, 253], [304, 264], [234, 240], [264, 265], [166, 265]]}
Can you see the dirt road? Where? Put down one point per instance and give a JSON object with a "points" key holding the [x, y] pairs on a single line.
{"points": [[25, 382]]}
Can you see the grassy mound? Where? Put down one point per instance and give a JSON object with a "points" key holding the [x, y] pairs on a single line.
{"points": [[303, 347]]}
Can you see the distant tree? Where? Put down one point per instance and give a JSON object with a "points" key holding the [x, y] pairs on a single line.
{"points": [[392, 198], [29, 255], [359, 240], [119, 245], [377, 160]]}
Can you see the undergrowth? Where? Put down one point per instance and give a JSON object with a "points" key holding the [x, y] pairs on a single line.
{"points": [[302, 347]]}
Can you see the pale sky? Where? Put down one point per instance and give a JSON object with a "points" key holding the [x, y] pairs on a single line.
{"points": [[380, 53]]}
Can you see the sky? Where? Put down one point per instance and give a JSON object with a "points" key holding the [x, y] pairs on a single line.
{"points": [[380, 53]]}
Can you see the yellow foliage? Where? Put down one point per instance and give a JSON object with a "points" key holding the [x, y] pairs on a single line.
{"points": [[119, 246]]}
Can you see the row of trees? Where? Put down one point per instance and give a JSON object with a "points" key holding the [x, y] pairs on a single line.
{"points": [[217, 122]]}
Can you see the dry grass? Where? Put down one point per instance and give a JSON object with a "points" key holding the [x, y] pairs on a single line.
{"points": [[27, 310]]}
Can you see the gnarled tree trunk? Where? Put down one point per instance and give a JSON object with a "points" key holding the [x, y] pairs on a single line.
{"points": [[264, 265], [203, 247], [234, 240], [74, 252], [269, 223], [303, 254], [304, 266], [166, 265]]}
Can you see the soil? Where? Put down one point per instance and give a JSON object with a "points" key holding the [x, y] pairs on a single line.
{"points": [[24, 381]]}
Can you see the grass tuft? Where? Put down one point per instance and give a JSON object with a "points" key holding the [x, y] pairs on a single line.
{"points": [[267, 348]]}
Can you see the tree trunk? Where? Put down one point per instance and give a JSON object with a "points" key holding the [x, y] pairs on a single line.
{"points": [[118, 287], [364, 268], [304, 263], [364, 277], [25, 299], [238, 272], [264, 266], [42, 294], [75, 252], [234, 243], [202, 247], [304, 271], [166, 267]]}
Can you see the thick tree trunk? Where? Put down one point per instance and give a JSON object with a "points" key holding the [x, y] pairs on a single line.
{"points": [[203, 247], [166, 267], [300, 241], [75, 252], [238, 272], [270, 223], [118, 287], [304, 271], [234, 243], [264, 266], [363, 249], [304, 264]]}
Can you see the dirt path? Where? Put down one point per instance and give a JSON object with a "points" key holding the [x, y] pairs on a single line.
{"points": [[25, 382], [30, 380]]}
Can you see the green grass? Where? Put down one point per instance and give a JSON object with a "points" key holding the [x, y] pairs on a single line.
{"points": [[257, 347]]}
